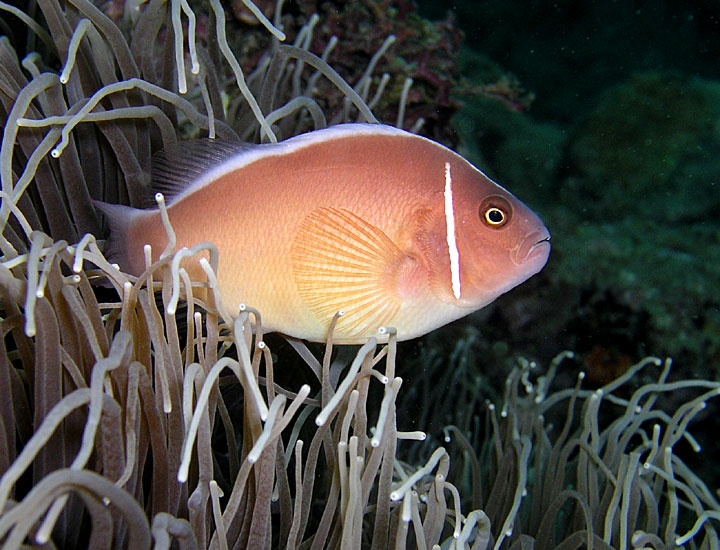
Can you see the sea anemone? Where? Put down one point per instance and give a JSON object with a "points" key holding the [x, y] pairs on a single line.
{"points": [[121, 424], [600, 468]]}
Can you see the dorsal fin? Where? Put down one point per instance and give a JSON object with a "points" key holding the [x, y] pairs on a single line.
{"points": [[177, 167]]}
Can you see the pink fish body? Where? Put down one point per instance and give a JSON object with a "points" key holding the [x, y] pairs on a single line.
{"points": [[392, 228]]}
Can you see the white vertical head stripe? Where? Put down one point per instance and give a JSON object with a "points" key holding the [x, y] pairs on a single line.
{"points": [[452, 243]]}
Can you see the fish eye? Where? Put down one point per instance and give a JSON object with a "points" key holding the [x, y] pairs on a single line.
{"points": [[495, 211]]}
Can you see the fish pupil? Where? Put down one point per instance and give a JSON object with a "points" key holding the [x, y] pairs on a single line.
{"points": [[495, 216]]}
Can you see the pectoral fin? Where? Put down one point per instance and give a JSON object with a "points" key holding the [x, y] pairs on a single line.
{"points": [[342, 262]]}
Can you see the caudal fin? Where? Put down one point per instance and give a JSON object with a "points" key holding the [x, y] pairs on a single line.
{"points": [[119, 218]]}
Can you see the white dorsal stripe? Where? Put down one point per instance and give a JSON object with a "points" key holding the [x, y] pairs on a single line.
{"points": [[452, 243]]}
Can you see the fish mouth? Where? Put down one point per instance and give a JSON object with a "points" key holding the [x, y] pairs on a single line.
{"points": [[535, 248]]}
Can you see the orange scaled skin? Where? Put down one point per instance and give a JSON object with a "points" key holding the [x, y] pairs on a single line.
{"points": [[292, 229]]}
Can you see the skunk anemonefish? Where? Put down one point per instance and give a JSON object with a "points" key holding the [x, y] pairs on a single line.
{"points": [[390, 227]]}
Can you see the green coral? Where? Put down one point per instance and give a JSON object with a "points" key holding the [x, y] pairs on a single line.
{"points": [[648, 144]]}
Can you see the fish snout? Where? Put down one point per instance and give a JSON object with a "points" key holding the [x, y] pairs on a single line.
{"points": [[534, 250]]}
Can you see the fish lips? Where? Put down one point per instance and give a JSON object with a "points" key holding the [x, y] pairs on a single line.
{"points": [[533, 252]]}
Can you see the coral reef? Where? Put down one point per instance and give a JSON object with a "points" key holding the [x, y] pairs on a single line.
{"points": [[386, 41], [619, 158]]}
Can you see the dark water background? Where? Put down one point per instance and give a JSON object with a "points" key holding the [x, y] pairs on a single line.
{"points": [[567, 52]]}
